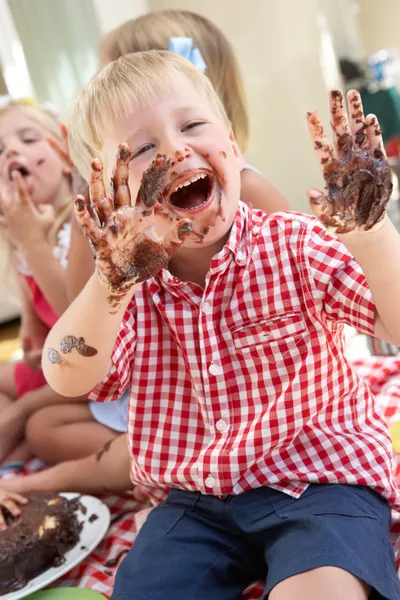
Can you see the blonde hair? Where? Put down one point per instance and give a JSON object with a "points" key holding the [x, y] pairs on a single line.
{"points": [[153, 32], [131, 81], [47, 120]]}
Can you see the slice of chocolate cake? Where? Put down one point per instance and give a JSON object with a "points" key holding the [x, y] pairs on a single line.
{"points": [[36, 540]]}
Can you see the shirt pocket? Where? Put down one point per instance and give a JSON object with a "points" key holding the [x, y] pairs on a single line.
{"points": [[280, 338]]}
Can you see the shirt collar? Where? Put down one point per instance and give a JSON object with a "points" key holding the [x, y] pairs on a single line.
{"points": [[239, 238], [238, 243]]}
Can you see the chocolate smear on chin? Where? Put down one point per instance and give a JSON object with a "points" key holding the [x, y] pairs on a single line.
{"points": [[204, 225]]}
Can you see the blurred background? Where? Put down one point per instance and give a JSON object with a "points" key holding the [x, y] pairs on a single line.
{"points": [[291, 53]]}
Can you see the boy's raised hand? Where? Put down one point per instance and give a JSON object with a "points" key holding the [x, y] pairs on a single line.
{"points": [[126, 247], [357, 175]]}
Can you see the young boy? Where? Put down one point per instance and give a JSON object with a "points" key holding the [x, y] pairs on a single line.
{"points": [[227, 325]]}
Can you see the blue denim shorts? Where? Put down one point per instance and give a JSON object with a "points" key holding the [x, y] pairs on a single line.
{"points": [[196, 547]]}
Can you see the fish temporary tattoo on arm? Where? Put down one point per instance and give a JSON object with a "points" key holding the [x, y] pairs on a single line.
{"points": [[54, 356], [66, 345], [70, 341]]}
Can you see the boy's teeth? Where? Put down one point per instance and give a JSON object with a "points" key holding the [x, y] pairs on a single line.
{"points": [[191, 180]]}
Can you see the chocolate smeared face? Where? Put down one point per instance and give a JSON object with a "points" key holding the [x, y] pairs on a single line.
{"points": [[24, 150], [203, 180], [357, 175]]}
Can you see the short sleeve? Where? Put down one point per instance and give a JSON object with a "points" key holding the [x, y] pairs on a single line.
{"points": [[339, 280], [120, 374]]}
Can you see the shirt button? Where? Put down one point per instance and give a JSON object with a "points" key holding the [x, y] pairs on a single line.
{"points": [[215, 369], [210, 481], [240, 255], [221, 425]]}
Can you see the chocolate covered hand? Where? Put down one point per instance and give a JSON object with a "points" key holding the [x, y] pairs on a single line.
{"points": [[357, 175], [121, 232]]}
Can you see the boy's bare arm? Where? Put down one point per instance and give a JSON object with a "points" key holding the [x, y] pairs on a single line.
{"points": [[358, 187], [77, 352], [127, 252]]}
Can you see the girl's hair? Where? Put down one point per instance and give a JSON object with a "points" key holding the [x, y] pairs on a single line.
{"points": [[131, 81], [153, 32], [47, 119]]}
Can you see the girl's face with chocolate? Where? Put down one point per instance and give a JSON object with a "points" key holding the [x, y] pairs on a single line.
{"points": [[24, 148], [203, 180]]}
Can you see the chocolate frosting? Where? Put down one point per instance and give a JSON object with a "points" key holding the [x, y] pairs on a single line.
{"points": [[36, 540]]}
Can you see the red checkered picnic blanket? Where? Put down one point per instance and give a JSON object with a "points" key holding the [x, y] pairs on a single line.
{"points": [[96, 573]]}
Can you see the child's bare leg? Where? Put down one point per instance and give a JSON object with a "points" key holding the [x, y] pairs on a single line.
{"points": [[329, 583], [102, 472], [21, 453], [8, 392], [66, 432], [14, 417], [5, 401]]}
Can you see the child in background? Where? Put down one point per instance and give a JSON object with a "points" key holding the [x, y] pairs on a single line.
{"points": [[211, 52], [36, 206], [225, 323]]}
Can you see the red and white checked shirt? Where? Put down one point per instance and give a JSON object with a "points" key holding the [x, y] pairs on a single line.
{"points": [[245, 383]]}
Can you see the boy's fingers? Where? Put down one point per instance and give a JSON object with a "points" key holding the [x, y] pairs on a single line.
{"points": [[122, 195], [105, 210], [85, 219], [374, 134], [358, 125], [323, 149], [97, 190], [342, 139]]}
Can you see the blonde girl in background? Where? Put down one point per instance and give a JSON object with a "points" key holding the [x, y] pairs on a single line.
{"points": [[36, 207]]}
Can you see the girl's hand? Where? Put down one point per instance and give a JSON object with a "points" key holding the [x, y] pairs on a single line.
{"points": [[32, 342], [32, 356], [79, 185], [25, 223], [10, 501], [126, 248], [357, 175]]}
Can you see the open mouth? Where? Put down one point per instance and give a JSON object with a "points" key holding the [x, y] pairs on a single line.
{"points": [[193, 193], [16, 168]]}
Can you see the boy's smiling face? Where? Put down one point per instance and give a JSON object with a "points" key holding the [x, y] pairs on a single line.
{"points": [[203, 181]]}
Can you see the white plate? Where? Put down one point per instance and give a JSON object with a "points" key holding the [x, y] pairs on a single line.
{"points": [[91, 535]]}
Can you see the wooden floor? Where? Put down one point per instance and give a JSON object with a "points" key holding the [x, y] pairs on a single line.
{"points": [[10, 346]]}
